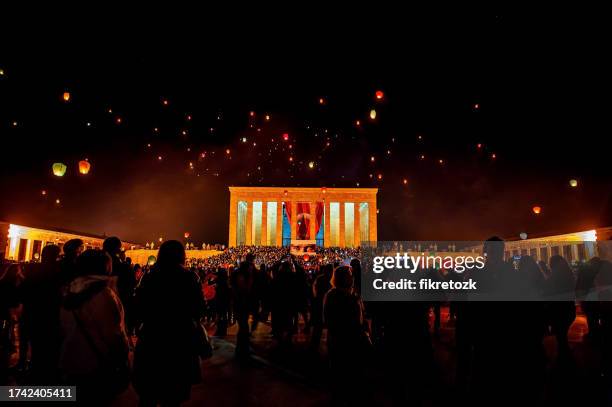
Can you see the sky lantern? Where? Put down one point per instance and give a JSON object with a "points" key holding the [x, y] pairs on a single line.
{"points": [[523, 235], [311, 165], [66, 96], [84, 167], [43, 192], [57, 201], [373, 114], [573, 183], [323, 190], [357, 123], [286, 136], [536, 210], [405, 181], [306, 257], [187, 234], [380, 95], [59, 169]]}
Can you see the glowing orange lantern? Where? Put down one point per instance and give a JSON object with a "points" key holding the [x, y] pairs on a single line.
{"points": [[59, 169], [84, 167], [536, 210], [306, 257], [323, 189], [286, 136], [187, 234], [380, 94], [66, 96]]}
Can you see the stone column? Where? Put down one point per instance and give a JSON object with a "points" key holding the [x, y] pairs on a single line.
{"points": [[342, 239], [29, 244], [279, 224], [313, 220], [326, 231], [356, 224], [264, 223], [293, 220], [233, 211], [249, 223], [373, 222]]}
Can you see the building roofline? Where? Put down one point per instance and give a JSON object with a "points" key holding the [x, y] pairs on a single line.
{"points": [[304, 189]]}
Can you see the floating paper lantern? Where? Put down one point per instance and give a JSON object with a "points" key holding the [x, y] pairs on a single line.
{"points": [[66, 96], [573, 183], [405, 181], [286, 136], [84, 167], [306, 257], [523, 235], [323, 190], [373, 114], [380, 94], [187, 234], [536, 210], [59, 169], [311, 165]]}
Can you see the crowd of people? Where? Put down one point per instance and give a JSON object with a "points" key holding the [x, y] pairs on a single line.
{"points": [[75, 317]]}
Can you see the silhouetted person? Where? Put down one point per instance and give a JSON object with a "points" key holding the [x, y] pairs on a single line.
{"points": [[9, 299], [94, 351], [603, 284], [126, 281], [72, 249], [243, 295], [283, 302], [321, 286], [222, 300], [587, 295], [169, 303], [343, 314], [41, 298], [560, 290]]}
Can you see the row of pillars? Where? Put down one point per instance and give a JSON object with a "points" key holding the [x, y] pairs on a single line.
{"points": [[279, 219]]}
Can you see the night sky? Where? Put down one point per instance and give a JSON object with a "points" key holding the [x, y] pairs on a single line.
{"points": [[528, 91]]}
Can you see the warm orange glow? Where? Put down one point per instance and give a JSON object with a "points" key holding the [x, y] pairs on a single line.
{"points": [[66, 96], [84, 167], [573, 183], [536, 210], [373, 114], [380, 94]]}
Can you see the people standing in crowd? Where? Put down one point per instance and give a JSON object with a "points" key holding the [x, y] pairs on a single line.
{"points": [[243, 299], [10, 280], [560, 292], [321, 286], [126, 281], [222, 301], [346, 337], [72, 249], [283, 302], [94, 348], [40, 295], [169, 305], [587, 295]]}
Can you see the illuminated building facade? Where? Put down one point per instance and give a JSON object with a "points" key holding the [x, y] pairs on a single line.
{"points": [[24, 243], [284, 216], [574, 247]]}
